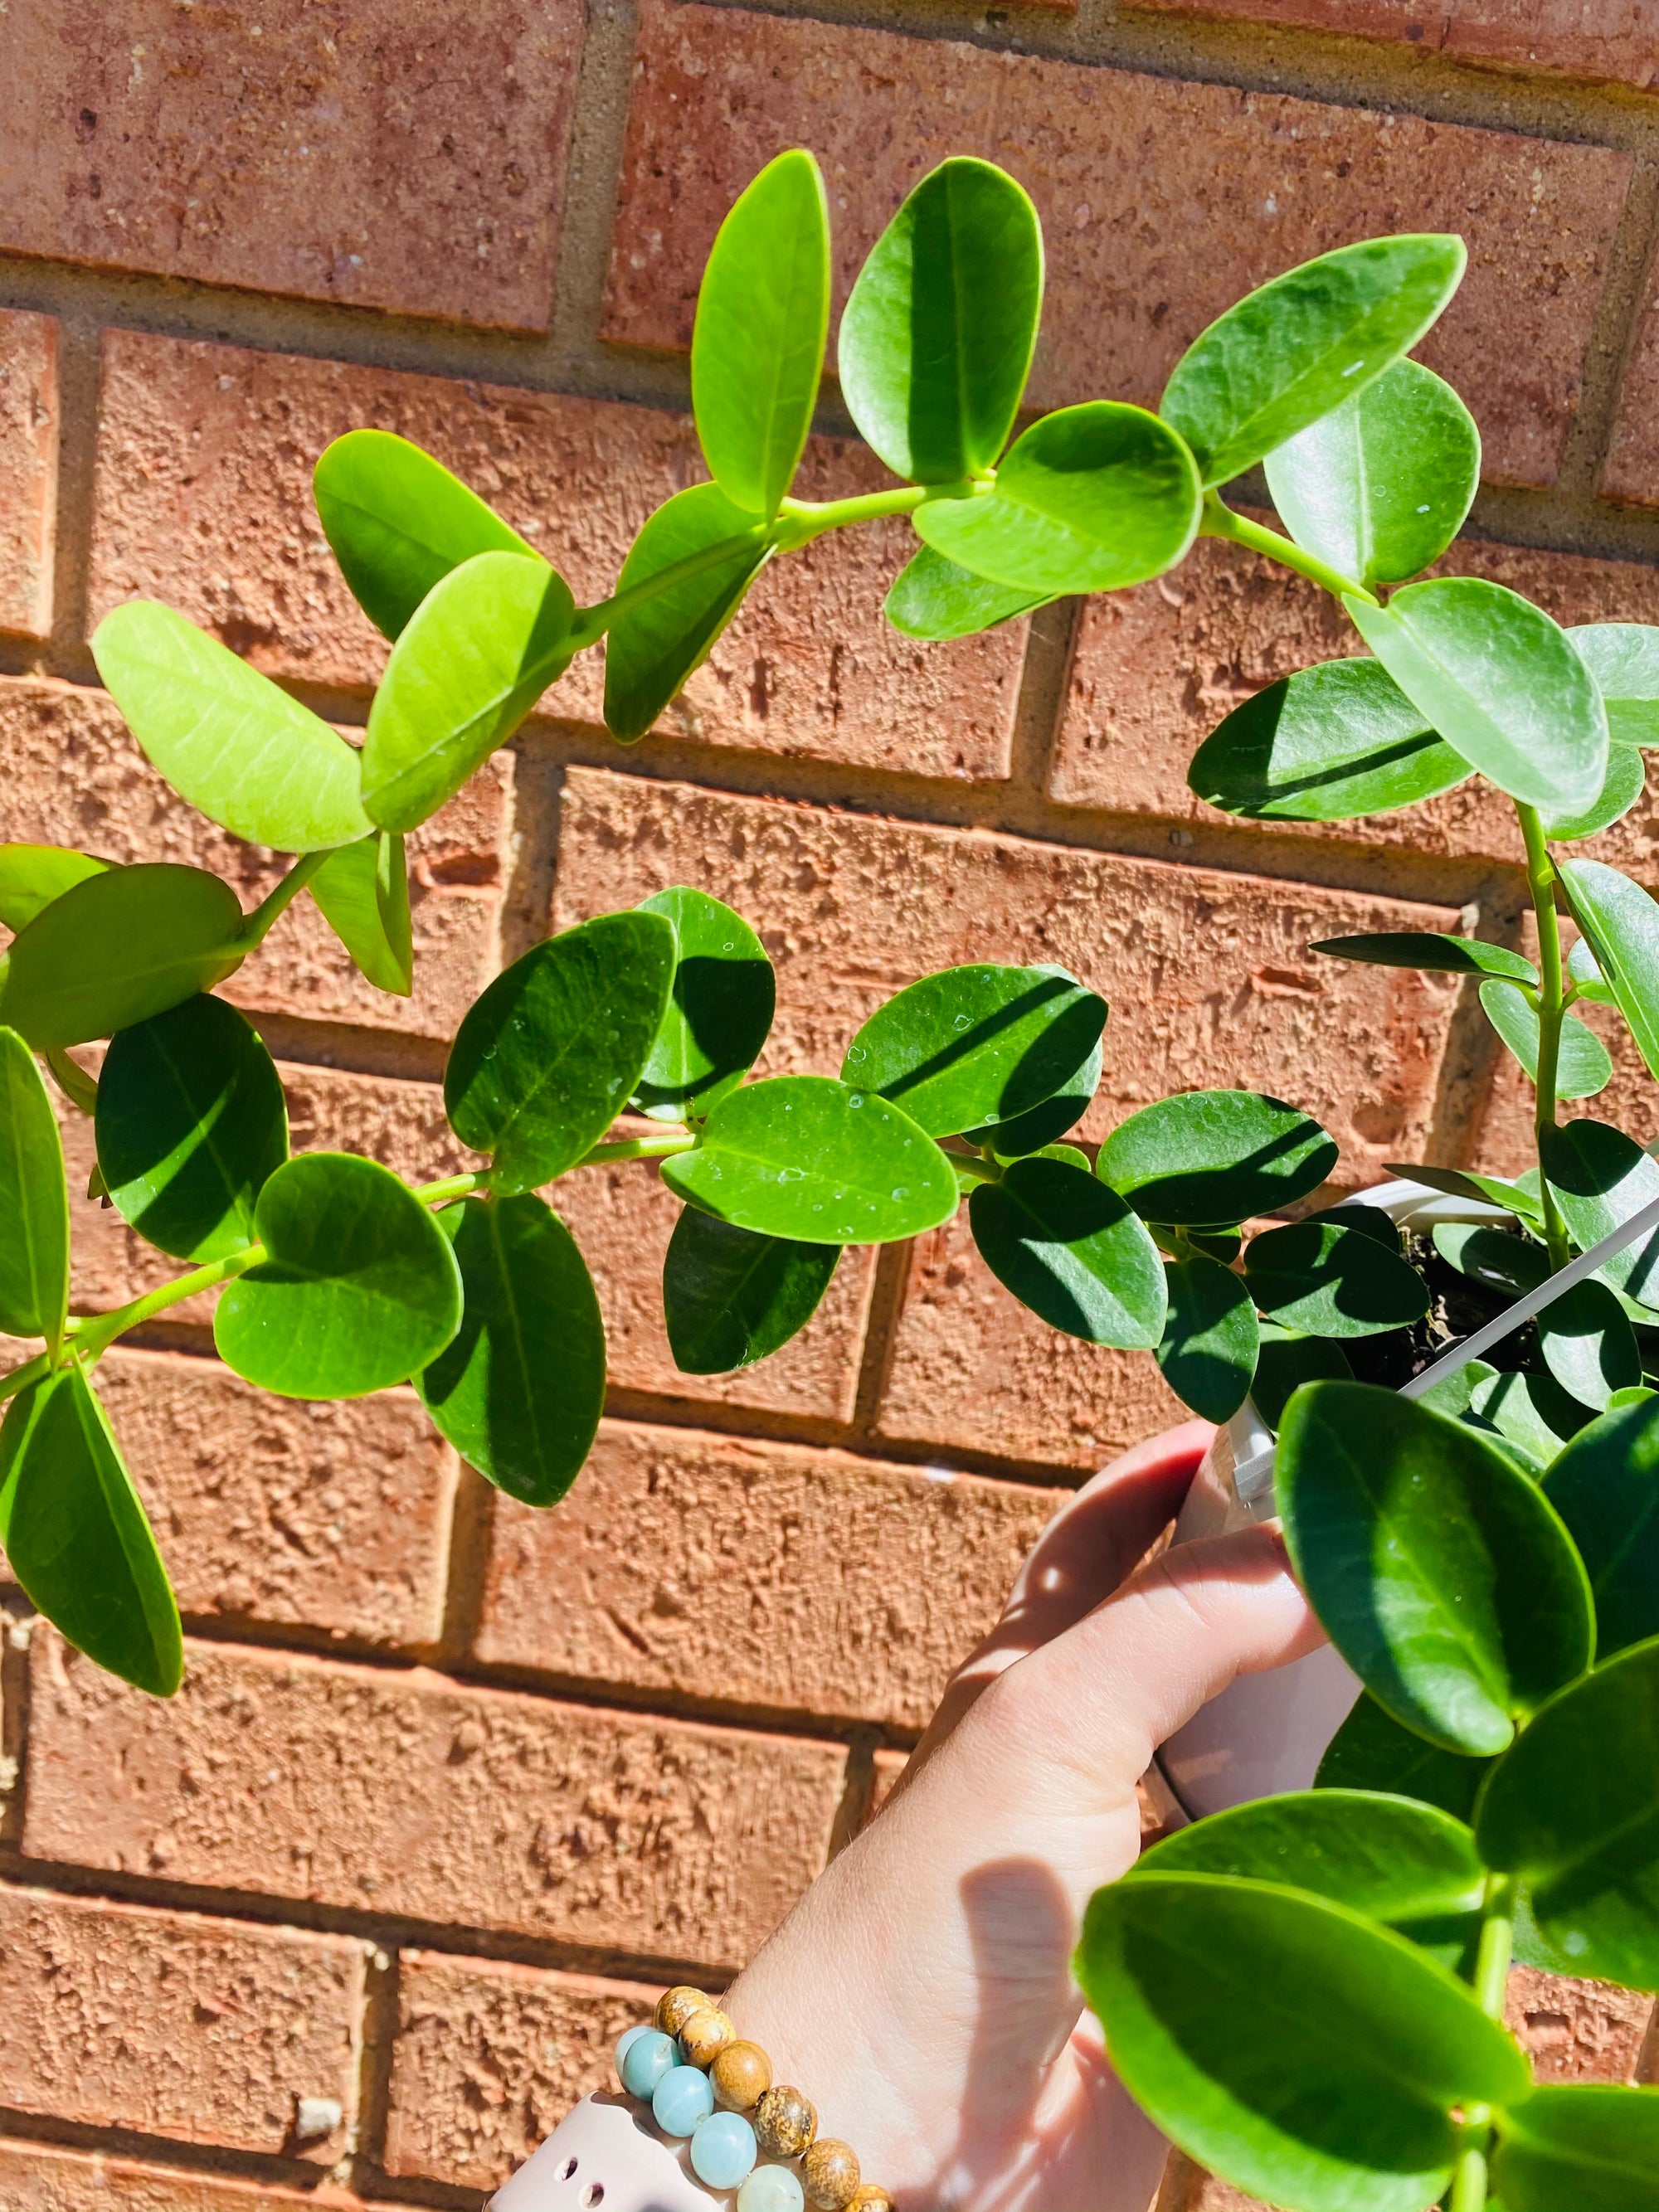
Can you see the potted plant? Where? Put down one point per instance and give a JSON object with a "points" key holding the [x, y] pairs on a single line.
{"points": [[1304, 1992]]}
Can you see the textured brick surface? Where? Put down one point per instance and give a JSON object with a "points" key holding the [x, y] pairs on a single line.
{"points": [[359, 154], [1188, 2188], [407, 1794], [173, 2024], [28, 465], [761, 1574], [36, 2177], [1208, 976], [1162, 201], [203, 498], [1578, 2031], [1631, 470], [490, 2058]]}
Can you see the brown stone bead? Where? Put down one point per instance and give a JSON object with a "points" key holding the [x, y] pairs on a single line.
{"points": [[871, 2196], [740, 2076], [676, 2006], [830, 2174], [705, 2034], [785, 2123]]}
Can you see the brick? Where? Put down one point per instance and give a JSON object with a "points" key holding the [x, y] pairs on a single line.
{"points": [[29, 462], [404, 1793], [359, 154], [35, 2177], [490, 2058], [1163, 201], [1188, 2188], [75, 777], [174, 2024], [1631, 470], [885, 1770], [1577, 2031], [760, 1575], [203, 498], [1207, 973]]}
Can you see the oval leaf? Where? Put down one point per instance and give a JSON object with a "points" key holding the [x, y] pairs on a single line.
{"points": [[1495, 1258], [1030, 1132], [1372, 1751], [719, 1010], [1532, 1411], [1589, 1346], [1626, 780], [1423, 950], [1601, 1178], [363, 892], [1333, 1281], [1592, 2146], [33, 876], [1208, 1351], [1621, 921], [1581, 1066], [1460, 1182], [730, 1298], [931, 597], [1072, 1251], [651, 649], [1605, 1486], [1624, 658], [1285, 1361], [1215, 1156], [34, 1220]]}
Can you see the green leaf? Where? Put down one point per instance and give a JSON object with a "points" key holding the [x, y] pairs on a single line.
{"points": [[1622, 924], [1208, 1352], [936, 341], [1435, 1568], [1605, 1486], [1500, 682], [1625, 780], [77, 1537], [651, 649], [34, 1220], [730, 1298], [1287, 2044], [931, 597], [763, 319], [719, 1008], [1284, 1362], [1601, 1178], [1372, 1751], [976, 1045], [1588, 1345], [1332, 1281], [1296, 349], [1379, 488], [806, 1158], [475, 656], [1573, 1808], [520, 1388], [116, 948], [192, 1124], [1071, 1251], [1090, 499], [1582, 1066], [360, 1288], [363, 892], [1460, 1182], [1533, 1411], [33, 876], [1585, 972], [1453, 1393], [1580, 2147], [1624, 658], [1423, 949], [227, 738], [552, 1051], [1328, 743], [398, 522], [1032, 1132], [1215, 1158], [1495, 1258]]}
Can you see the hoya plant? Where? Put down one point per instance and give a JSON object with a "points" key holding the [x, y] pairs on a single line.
{"points": [[1306, 1994]]}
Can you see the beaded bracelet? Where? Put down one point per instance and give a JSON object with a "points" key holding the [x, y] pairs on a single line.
{"points": [[694, 2061]]}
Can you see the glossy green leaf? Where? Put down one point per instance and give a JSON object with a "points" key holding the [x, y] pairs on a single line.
{"points": [[1072, 1251], [363, 892], [1601, 1178], [553, 1050], [935, 343], [1332, 1281], [359, 1289], [398, 522], [1585, 972], [1582, 1066], [1605, 1486], [808, 1158], [1435, 1568], [1286, 1359], [1423, 949], [475, 656], [1379, 488], [1497, 1258], [1462, 1183], [1328, 743], [192, 1124], [1624, 658], [1090, 499], [1573, 1808], [1579, 2147], [116, 948], [33, 876], [35, 1221], [1453, 1393], [76, 1536], [763, 319], [1372, 1751], [1534, 1411], [976, 1045], [1500, 682], [719, 1008], [1287, 2044], [520, 1388], [1625, 782], [1621, 921], [651, 649], [1588, 1345], [1030, 1132], [931, 597], [1215, 1156], [227, 738], [730, 1298], [1208, 1352], [1290, 353]]}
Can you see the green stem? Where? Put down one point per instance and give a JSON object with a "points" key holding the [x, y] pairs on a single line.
{"points": [[21, 1377], [1492, 1973], [95, 1337], [455, 1186], [800, 520], [1552, 1010], [640, 1148], [77, 1085], [1220, 521], [590, 624], [257, 924]]}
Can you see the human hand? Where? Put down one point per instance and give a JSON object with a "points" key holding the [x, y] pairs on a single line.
{"points": [[921, 1992]]}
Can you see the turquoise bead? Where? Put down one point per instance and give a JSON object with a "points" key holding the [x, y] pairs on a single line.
{"points": [[723, 2150], [681, 2098], [644, 2055], [772, 2189]]}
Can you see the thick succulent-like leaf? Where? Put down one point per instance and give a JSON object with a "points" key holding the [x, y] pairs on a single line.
{"points": [[1579, 2147], [1605, 1486], [1423, 950], [1072, 1251], [1285, 1361], [651, 649], [1582, 1066], [35, 1221], [1624, 658], [730, 1298], [1031, 1131], [1532, 1411], [931, 597], [363, 892], [1215, 1156], [1497, 1258], [719, 1008], [1621, 921], [1601, 1178], [1589, 1346], [33, 876], [1208, 1352], [1372, 1751], [1625, 780], [1330, 1280]]}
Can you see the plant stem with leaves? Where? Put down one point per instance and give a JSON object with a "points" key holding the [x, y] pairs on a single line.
{"points": [[1551, 1011]]}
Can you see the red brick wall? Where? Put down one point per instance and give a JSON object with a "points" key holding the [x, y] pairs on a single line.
{"points": [[451, 1786]]}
